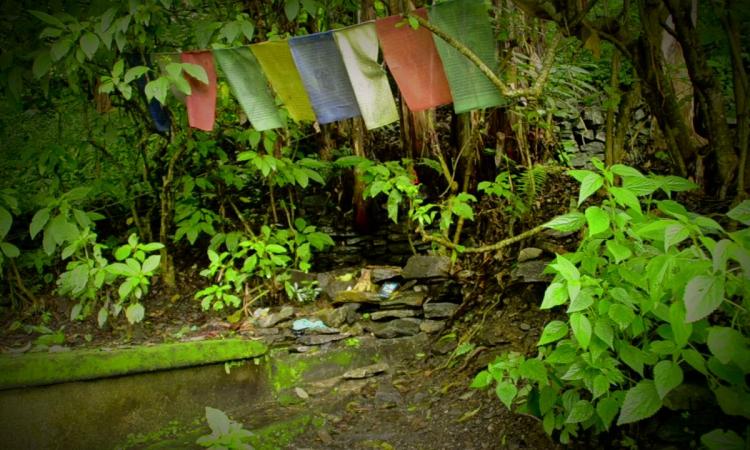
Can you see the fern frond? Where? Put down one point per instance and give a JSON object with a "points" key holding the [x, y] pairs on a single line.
{"points": [[531, 181]]}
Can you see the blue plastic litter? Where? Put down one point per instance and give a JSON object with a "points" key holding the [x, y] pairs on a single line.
{"points": [[387, 289], [307, 324]]}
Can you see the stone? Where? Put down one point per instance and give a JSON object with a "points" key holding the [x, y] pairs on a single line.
{"points": [[393, 314], [331, 283], [366, 372], [588, 134], [593, 148], [439, 310], [384, 273], [444, 346], [272, 319], [320, 339], [529, 253], [408, 298], [356, 297], [595, 116], [524, 326], [531, 272], [343, 314], [426, 266], [431, 326], [601, 136], [395, 328]]}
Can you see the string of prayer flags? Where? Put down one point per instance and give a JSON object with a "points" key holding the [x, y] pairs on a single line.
{"points": [[324, 76], [468, 22], [359, 49], [249, 87], [414, 63], [275, 58], [201, 103]]}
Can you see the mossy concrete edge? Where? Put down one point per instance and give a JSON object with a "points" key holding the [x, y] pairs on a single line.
{"points": [[35, 369]]}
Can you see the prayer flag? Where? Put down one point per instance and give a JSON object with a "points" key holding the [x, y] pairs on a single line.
{"points": [[275, 59], [324, 76], [467, 21], [359, 50], [249, 87], [201, 103], [414, 62]]}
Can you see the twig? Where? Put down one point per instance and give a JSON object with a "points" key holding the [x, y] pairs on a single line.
{"points": [[483, 248]]}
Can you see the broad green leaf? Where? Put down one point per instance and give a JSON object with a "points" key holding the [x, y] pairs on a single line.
{"points": [[126, 288], [311, 6], [122, 252], [102, 316], [695, 359], [150, 264], [582, 410], [581, 329], [723, 440], [463, 210], [62, 231], [6, 220], [597, 219], [603, 330], [275, 248], [38, 222], [703, 295], [621, 314], [626, 198], [121, 270], [567, 223], [248, 29], [590, 184], [553, 331], [566, 268], [625, 171], [482, 380], [42, 63], [555, 295], [607, 409], [48, 19], [76, 311], [727, 372], [291, 9], [10, 250], [135, 313], [157, 89], [134, 73], [681, 330], [733, 401], [89, 44], [741, 213], [600, 386], [674, 234], [60, 48], [230, 31], [583, 300], [506, 392], [534, 369], [618, 251], [641, 402], [153, 246], [673, 183], [632, 356], [196, 71], [725, 343], [565, 353], [667, 376], [640, 186]]}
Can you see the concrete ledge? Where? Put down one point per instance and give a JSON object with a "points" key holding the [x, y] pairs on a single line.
{"points": [[34, 369]]}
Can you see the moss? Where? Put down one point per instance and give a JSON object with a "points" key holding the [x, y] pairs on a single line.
{"points": [[284, 373], [279, 434], [48, 368], [342, 357]]}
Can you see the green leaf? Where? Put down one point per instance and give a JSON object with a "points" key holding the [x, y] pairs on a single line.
{"points": [[621, 314], [667, 376], [618, 251], [135, 313], [48, 19], [674, 234], [534, 369], [640, 186], [695, 359], [581, 329], [723, 440], [506, 392], [10, 250], [122, 252], [583, 300], [641, 402], [152, 246], [625, 171], [741, 213], [217, 421], [567, 223], [673, 183], [42, 63], [555, 295], [703, 295], [102, 316], [626, 197], [248, 30], [76, 311], [733, 401], [600, 386], [603, 330], [6, 220], [134, 73], [589, 185], [681, 330], [481, 380], [157, 89], [62, 231], [597, 219], [463, 210], [632, 356], [566, 268], [60, 48], [38, 222], [582, 410], [291, 9], [275, 248], [150, 264], [725, 343], [553, 331], [89, 44], [196, 71], [607, 409]]}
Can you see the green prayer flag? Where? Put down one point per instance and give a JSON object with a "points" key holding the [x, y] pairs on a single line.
{"points": [[249, 87], [468, 22], [275, 58], [359, 49]]}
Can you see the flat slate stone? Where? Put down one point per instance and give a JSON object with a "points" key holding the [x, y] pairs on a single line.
{"points": [[431, 326], [426, 266], [274, 318], [399, 327], [529, 253], [409, 298], [366, 372], [320, 339], [383, 273], [356, 297], [439, 310], [532, 271], [393, 314]]}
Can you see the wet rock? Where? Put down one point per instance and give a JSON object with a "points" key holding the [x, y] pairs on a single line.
{"points": [[531, 272], [341, 315], [331, 283], [272, 319], [595, 116], [366, 372], [384, 273], [409, 298], [393, 314], [426, 266], [356, 297], [444, 346], [439, 310], [320, 339], [593, 148], [529, 253], [431, 326], [395, 328], [524, 326]]}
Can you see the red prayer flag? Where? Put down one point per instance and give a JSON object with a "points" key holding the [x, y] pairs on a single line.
{"points": [[414, 62], [201, 103]]}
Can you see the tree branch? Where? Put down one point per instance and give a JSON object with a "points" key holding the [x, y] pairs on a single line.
{"points": [[483, 248]]}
